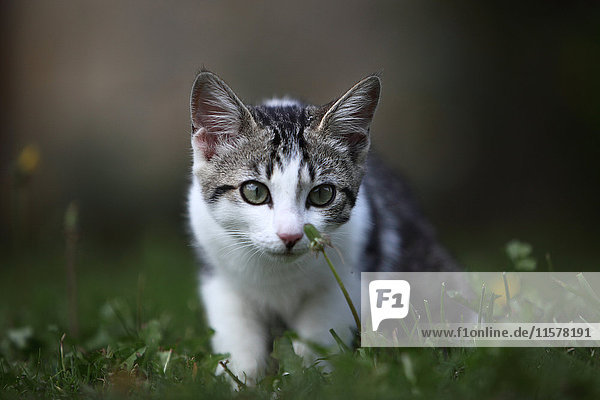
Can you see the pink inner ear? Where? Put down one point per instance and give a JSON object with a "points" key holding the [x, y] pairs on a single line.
{"points": [[215, 124], [206, 143], [210, 116]]}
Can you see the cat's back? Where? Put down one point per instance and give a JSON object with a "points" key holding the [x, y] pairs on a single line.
{"points": [[400, 238]]}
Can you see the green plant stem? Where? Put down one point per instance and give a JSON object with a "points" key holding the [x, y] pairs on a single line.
{"points": [[346, 295], [72, 236], [479, 315], [343, 347], [507, 293], [237, 380], [442, 294]]}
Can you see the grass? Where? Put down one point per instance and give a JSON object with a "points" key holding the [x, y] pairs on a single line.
{"points": [[141, 334]]}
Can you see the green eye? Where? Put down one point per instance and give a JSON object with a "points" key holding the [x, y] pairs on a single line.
{"points": [[321, 195], [254, 193]]}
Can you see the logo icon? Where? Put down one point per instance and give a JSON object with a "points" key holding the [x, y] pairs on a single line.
{"points": [[389, 299]]}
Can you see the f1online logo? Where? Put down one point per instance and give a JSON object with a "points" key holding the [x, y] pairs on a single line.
{"points": [[389, 299]]}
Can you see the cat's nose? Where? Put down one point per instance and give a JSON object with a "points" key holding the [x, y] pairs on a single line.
{"points": [[290, 239]]}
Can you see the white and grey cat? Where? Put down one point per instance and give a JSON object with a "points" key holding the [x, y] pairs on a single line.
{"points": [[259, 174]]}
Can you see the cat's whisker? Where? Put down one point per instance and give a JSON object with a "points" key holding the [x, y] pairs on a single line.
{"points": [[232, 243], [236, 246], [254, 253]]}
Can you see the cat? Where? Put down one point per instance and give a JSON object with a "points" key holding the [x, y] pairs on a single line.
{"points": [[259, 174]]}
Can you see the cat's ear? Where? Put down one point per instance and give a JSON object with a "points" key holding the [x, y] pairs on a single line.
{"points": [[218, 115], [350, 116]]}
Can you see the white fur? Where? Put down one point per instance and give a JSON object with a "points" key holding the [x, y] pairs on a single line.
{"points": [[250, 282], [281, 102]]}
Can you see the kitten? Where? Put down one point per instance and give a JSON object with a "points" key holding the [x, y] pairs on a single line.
{"points": [[259, 174]]}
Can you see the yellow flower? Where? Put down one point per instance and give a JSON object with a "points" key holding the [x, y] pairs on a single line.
{"points": [[29, 159], [497, 287]]}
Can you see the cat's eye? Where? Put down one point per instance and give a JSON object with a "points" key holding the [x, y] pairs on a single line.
{"points": [[255, 193], [321, 195]]}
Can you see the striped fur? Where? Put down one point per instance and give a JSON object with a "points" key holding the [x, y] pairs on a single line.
{"points": [[251, 276]]}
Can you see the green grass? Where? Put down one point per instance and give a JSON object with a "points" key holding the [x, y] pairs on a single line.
{"points": [[142, 334]]}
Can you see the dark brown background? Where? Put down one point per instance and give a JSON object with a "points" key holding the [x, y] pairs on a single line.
{"points": [[491, 110]]}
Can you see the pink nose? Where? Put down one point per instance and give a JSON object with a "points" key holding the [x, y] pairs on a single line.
{"points": [[290, 239]]}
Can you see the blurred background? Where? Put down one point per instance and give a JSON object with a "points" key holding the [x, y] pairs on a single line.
{"points": [[491, 111]]}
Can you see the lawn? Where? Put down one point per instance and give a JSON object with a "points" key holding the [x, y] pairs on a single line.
{"points": [[140, 332]]}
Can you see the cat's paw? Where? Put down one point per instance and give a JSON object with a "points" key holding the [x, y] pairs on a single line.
{"points": [[309, 356]]}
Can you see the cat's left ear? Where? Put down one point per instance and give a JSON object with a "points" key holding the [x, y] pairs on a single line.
{"points": [[218, 115], [349, 118]]}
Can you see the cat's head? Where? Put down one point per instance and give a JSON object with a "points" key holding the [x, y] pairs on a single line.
{"points": [[265, 171]]}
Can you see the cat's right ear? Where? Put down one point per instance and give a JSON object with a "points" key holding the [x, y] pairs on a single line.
{"points": [[348, 119], [218, 115]]}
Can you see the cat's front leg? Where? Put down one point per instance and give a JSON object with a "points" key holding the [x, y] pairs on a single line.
{"points": [[238, 328], [323, 310]]}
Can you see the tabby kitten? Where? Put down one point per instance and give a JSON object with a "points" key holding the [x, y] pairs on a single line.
{"points": [[259, 174]]}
